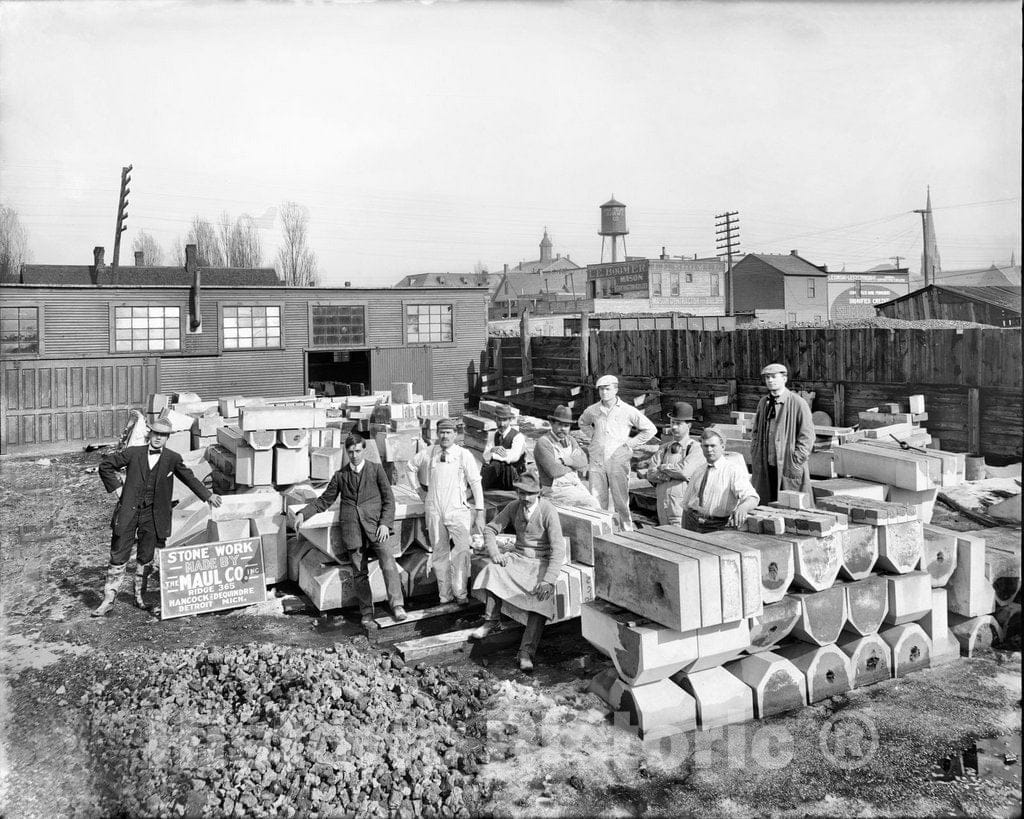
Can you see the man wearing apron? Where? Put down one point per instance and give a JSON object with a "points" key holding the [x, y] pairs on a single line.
{"points": [[559, 457], [444, 475], [673, 465], [525, 576]]}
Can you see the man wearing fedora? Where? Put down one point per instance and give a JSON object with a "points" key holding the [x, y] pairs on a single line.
{"points": [[143, 507], [673, 465], [448, 480], [781, 440], [526, 575], [504, 455], [559, 458], [609, 424]]}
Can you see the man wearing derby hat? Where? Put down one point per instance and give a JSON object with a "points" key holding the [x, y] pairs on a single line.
{"points": [[609, 424], [504, 455], [143, 506], [448, 480], [781, 440], [559, 457], [526, 575], [673, 465]]}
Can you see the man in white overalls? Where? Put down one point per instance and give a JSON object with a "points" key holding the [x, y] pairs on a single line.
{"points": [[446, 475]]}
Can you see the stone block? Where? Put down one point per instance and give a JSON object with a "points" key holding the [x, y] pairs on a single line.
{"points": [[911, 649], [938, 555], [816, 560], [774, 624], [253, 467], [729, 579], [826, 669], [870, 658], [283, 417], [257, 505], [922, 502], [327, 584], [916, 404], [945, 649], [402, 392], [867, 510], [893, 467], [652, 711], [324, 462], [157, 403], [298, 548], [812, 523], [795, 500], [753, 575], [859, 546], [581, 526], [260, 439], [720, 698], [180, 442], [899, 546], [188, 519], [236, 529], [822, 464], [936, 621], [230, 437], [910, 597], [293, 438], [765, 524], [777, 685], [397, 446], [291, 465], [273, 534], [974, 633], [575, 589], [849, 486], [822, 615], [206, 426], [717, 645], [867, 602], [201, 468], [641, 650], [970, 592]]}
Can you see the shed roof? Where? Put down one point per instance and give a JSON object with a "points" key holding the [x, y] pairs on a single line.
{"points": [[789, 264], [148, 276], [1005, 298]]}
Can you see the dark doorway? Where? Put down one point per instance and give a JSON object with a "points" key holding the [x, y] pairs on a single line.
{"points": [[338, 367]]}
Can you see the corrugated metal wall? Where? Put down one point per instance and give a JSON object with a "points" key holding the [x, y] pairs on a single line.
{"points": [[266, 373], [47, 401], [390, 364]]}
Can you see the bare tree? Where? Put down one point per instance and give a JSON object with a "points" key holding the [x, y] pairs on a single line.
{"points": [[13, 245], [225, 232], [178, 251], [297, 265], [152, 253], [248, 245], [203, 235], [479, 267]]}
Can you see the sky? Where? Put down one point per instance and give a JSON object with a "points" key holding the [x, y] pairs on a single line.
{"points": [[430, 137]]}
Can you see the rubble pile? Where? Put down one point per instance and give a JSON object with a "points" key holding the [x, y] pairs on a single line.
{"points": [[265, 730]]}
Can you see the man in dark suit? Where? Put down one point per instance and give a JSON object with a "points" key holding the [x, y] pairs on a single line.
{"points": [[143, 507], [366, 515]]}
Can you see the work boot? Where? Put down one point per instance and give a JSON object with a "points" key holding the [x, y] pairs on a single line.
{"points": [[366, 620], [525, 663], [399, 613], [485, 628], [115, 574], [492, 616], [138, 585], [149, 574]]}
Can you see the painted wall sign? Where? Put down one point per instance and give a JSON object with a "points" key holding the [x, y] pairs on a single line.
{"points": [[211, 577]]}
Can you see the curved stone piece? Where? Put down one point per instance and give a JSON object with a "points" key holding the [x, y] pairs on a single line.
{"points": [[774, 624], [975, 633], [938, 555], [826, 669], [910, 597], [721, 698], [899, 546], [870, 658], [867, 602], [816, 560], [910, 646], [658, 709], [859, 545], [822, 615], [777, 684]]}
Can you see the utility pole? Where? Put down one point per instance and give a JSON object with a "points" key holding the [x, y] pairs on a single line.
{"points": [[924, 236], [728, 238], [122, 212], [896, 260]]}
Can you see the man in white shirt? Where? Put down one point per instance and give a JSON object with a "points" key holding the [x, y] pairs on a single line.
{"points": [[609, 423], [445, 476], [719, 494], [504, 454]]}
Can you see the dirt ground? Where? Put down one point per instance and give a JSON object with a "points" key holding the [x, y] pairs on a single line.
{"points": [[553, 748]]}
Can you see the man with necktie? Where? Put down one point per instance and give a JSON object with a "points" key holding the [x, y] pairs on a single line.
{"points": [[782, 439], [143, 507], [673, 465], [719, 495]]}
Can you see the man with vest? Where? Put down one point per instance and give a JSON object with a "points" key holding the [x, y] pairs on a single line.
{"points": [[559, 458], [782, 439], [504, 454], [673, 465], [446, 476], [143, 507]]}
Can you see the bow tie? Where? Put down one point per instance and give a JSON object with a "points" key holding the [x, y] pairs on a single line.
{"points": [[155, 451], [676, 446], [563, 441]]}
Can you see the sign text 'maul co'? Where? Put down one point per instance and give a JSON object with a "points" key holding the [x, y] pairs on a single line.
{"points": [[211, 577]]}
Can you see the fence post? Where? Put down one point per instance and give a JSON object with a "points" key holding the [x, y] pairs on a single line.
{"points": [[973, 421], [584, 344], [838, 403], [524, 343]]}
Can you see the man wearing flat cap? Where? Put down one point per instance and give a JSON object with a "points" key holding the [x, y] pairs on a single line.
{"points": [[504, 454], [559, 458], [143, 507], [525, 576], [448, 480], [781, 440], [673, 465], [609, 423]]}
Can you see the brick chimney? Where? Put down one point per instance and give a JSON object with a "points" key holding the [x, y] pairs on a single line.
{"points": [[794, 253], [97, 264], [140, 258]]}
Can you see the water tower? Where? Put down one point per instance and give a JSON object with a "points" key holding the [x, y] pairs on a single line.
{"points": [[613, 223]]}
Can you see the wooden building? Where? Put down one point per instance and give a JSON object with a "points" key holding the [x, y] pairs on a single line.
{"points": [[998, 306], [781, 287], [77, 357]]}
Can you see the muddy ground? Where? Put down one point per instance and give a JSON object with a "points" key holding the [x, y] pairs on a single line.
{"points": [[554, 749]]}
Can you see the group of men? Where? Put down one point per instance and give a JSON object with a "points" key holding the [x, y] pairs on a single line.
{"points": [[699, 486]]}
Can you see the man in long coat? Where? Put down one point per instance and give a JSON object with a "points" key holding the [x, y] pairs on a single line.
{"points": [[782, 439]]}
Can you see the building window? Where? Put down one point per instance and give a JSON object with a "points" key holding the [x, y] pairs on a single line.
{"points": [[715, 285], [338, 325], [247, 328], [689, 278], [810, 288], [428, 322], [673, 281], [791, 318], [19, 330], [147, 328], [655, 284]]}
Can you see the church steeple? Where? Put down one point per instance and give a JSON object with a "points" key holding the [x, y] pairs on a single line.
{"points": [[545, 247], [931, 265]]}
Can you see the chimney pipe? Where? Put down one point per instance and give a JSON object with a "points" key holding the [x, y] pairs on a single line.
{"points": [[139, 258], [97, 257], [663, 256], [195, 319], [794, 253]]}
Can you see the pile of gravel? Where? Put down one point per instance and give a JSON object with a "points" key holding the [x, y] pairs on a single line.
{"points": [[261, 730], [879, 322]]}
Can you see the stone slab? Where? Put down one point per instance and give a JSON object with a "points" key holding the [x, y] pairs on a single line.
{"points": [[870, 658], [255, 505], [849, 486], [234, 529], [188, 518], [581, 526], [899, 546], [971, 593], [776, 684], [867, 510], [324, 462], [730, 582], [720, 698], [892, 467], [826, 669], [822, 615], [938, 554], [945, 649], [253, 467], [749, 549], [774, 624], [291, 465], [922, 502], [812, 523], [283, 417], [910, 646]]}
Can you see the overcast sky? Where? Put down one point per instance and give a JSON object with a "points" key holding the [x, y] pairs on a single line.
{"points": [[428, 137]]}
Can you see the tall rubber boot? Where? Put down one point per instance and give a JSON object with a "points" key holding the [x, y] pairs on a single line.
{"points": [[492, 616], [115, 574], [141, 581], [531, 640]]}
